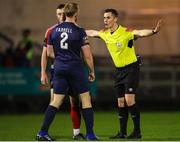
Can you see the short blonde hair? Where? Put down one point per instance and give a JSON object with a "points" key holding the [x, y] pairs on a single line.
{"points": [[70, 9]]}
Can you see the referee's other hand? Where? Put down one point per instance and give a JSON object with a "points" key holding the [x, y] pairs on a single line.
{"points": [[158, 26]]}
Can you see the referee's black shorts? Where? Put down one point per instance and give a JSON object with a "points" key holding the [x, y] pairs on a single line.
{"points": [[127, 79]]}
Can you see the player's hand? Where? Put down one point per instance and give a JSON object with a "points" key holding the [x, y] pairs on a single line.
{"points": [[91, 76], [158, 26], [44, 78]]}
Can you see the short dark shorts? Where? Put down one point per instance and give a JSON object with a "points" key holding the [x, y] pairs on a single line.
{"points": [[70, 91], [51, 76], [127, 79], [71, 78]]}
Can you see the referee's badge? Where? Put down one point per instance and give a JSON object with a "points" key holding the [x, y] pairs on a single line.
{"points": [[119, 44]]}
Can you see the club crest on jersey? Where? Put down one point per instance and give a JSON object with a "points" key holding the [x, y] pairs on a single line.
{"points": [[119, 44]]}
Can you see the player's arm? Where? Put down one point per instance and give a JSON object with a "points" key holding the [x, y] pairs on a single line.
{"points": [[50, 51], [92, 33], [87, 55], [147, 32], [44, 77]]}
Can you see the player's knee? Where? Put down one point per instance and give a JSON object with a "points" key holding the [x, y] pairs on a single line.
{"points": [[57, 101], [86, 100], [86, 103], [130, 101], [54, 105], [121, 102]]}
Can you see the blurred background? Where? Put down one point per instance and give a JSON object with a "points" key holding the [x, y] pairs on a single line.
{"points": [[22, 28]]}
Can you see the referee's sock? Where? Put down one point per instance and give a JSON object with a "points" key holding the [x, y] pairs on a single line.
{"points": [[123, 118], [49, 116], [135, 114], [88, 116]]}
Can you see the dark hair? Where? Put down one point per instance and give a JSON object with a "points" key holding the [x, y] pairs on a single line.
{"points": [[26, 32], [113, 11], [60, 6]]}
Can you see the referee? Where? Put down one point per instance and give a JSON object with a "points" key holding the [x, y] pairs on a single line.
{"points": [[119, 42]]}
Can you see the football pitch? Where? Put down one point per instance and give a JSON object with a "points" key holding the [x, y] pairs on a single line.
{"points": [[156, 126]]}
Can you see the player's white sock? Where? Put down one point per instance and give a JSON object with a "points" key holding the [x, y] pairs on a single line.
{"points": [[76, 132]]}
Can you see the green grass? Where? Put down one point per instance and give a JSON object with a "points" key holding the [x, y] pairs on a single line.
{"points": [[156, 126]]}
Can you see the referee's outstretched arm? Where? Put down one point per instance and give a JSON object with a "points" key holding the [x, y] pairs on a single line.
{"points": [[148, 32]]}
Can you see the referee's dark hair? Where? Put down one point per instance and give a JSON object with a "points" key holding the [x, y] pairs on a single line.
{"points": [[60, 6], [113, 11]]}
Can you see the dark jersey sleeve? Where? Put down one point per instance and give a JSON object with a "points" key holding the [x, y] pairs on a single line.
{"points": [[50, 41], [84, 37], [48, 31], [47, 34]]}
